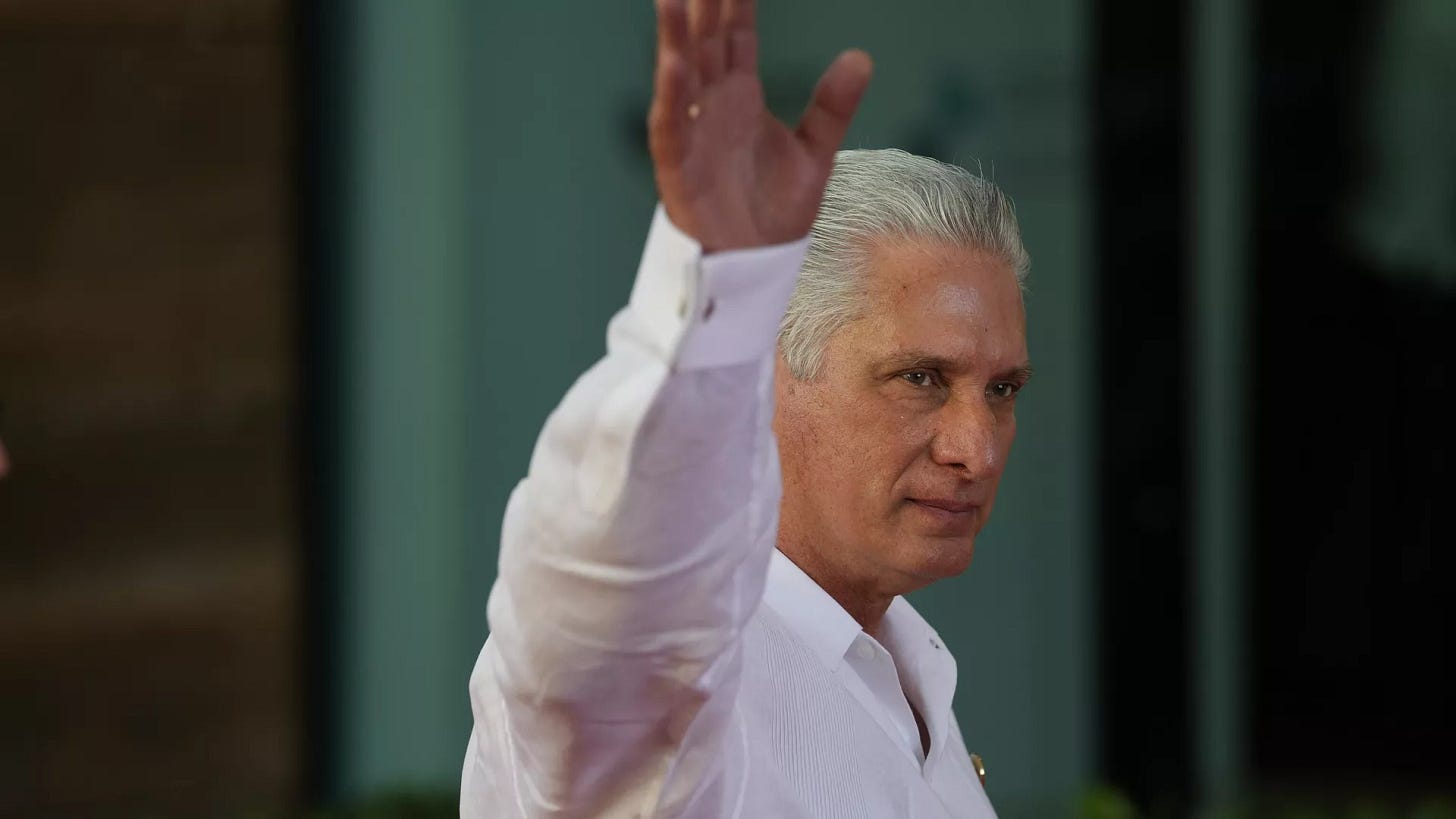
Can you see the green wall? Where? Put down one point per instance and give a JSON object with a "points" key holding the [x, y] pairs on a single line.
{"points": [[405, 598]]}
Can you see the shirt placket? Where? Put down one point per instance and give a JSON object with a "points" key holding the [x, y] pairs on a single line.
{"points": [[880, 692]]}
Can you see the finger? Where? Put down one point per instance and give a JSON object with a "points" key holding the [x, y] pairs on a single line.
{"points": [[668, 122], [835, 100], [709, 39], [707, 18], [674, 42], [742, 52], [741, 15], [672, 29], [740, 26]]}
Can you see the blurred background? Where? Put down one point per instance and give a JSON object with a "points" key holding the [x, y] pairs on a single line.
{"points": [[287, 289]]}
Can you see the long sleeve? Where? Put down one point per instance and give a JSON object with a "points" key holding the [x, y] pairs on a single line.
{"points": [[634, 552]]}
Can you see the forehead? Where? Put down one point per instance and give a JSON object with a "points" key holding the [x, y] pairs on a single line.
{"points": [[956, 302]]}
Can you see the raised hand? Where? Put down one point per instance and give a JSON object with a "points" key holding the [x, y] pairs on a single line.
{"points": [[731, 175]]}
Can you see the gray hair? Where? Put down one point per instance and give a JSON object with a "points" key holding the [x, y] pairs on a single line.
{"points": [[886, 194]]}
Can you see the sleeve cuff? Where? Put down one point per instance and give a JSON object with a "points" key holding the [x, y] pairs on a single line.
{"points": [[716, 310]]}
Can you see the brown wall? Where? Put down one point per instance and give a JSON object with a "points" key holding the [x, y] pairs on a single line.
{"points": [[148, 567]]}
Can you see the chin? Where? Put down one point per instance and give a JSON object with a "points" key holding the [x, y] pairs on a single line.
{"points": [[936, 558]]}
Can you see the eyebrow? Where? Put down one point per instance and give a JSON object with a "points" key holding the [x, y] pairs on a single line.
{"points": [[919, 360], [1022, 373]]}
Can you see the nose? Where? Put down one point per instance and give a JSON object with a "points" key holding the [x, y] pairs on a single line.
{"points": [[968, 438]]}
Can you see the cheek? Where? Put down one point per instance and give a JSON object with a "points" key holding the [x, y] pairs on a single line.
{"points": [[1008, 433], [1005, 436], [827, 431], [892, 439], [860, 442], [913, 431]]}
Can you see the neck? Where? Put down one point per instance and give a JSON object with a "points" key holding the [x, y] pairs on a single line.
{"points": [[866, 604]]}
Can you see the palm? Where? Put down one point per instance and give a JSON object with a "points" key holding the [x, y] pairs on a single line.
{"points": [[729, 173]]}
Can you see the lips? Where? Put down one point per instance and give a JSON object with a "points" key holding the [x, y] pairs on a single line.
{"points": [[946, 517], [947, 505]]}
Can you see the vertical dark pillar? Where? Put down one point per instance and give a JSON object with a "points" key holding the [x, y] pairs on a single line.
{"points": [[318, 60], [1141, 215], [1354, 654]]}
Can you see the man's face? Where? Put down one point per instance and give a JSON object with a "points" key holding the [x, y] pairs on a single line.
{"points": [[892, 454]]}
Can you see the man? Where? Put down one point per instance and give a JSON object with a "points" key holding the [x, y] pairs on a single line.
{"points": [[699, 608]]}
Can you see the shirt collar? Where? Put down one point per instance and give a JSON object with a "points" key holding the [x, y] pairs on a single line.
{"points": [[926, 668], [829, 630], [906, 635], [809, 611]]}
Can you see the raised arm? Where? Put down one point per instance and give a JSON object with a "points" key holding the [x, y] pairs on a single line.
{"points": [[636, 547]]}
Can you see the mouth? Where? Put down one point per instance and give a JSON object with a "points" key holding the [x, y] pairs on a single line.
{"points": [[948, 515], [948, 506]]}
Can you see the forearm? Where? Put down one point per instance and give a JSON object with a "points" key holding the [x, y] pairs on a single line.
{"points": [[639, 541]]}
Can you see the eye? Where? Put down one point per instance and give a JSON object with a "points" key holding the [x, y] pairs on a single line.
{"points": [[1004, 389], [920, 378]]}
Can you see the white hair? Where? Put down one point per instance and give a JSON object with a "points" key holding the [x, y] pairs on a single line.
{"points": [[886, 194]]}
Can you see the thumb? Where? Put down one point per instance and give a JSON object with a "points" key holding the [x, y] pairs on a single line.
{"points": [[835, 100]]}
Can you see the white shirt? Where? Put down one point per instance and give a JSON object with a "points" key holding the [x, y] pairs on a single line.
{"points": [[651, 653]]}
